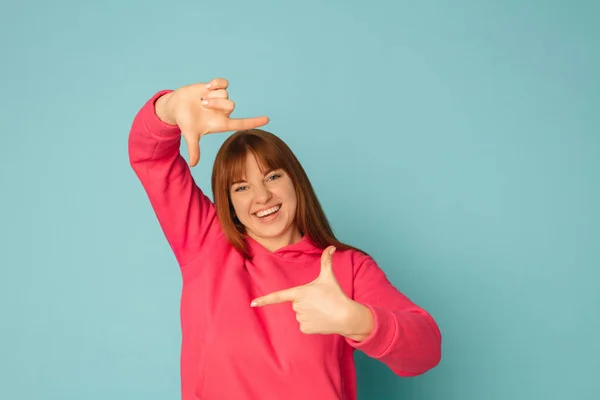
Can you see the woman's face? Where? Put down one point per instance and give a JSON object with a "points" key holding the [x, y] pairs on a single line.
{"points": [[266, 205]]}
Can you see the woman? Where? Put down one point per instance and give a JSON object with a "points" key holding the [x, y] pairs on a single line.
{"points": [[268, 311]]}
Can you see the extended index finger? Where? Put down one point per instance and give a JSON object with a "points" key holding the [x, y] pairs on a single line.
{"points": [[281, 296], [239, 124]]}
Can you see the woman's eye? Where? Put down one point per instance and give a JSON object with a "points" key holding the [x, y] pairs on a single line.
{"points": [[273, 177], [240, 189]]}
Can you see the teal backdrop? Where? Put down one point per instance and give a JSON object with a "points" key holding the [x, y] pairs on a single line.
{"points": [[458, 142]]}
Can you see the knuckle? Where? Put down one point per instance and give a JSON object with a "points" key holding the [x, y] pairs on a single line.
{"points": [[219, 94]]}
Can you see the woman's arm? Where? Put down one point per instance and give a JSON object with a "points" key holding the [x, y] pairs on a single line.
{"points": [[390, 327], [186, 216]]}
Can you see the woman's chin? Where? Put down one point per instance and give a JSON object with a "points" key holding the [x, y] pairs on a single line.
{"points": [[272, 232]]}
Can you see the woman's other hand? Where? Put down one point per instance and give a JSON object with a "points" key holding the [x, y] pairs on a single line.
{"points": [[200, 109]]}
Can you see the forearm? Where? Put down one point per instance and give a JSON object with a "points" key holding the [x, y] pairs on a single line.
{"points": [[164, 108], [403, 335], [186, 215], [408, 341], [151, 139]]}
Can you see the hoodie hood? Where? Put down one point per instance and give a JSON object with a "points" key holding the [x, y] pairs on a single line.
{"points": [[304, 247]]}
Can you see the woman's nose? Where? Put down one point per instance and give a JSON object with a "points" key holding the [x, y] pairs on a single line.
{"points": [[263, 194]]}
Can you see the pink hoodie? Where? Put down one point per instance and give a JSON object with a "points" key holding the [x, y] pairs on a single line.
{"points": [[232, 351]]}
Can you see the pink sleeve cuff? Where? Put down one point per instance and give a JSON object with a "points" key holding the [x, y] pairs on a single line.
{"points": [[155, 125], [382, 337]]}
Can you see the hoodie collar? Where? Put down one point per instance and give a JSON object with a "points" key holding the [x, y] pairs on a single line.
{"points": [[296, 250]]}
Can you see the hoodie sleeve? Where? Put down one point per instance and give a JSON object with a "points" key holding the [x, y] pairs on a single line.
{"points": [[405, 337], [186, 216]]}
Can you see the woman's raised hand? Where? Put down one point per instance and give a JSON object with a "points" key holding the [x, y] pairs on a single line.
{"points": [[200, 109]]}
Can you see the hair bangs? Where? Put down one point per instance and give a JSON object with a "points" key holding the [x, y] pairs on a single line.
{"points": [[267, 155]]}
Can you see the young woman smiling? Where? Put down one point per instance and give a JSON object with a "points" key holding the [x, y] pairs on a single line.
{"points": [[272, 305]]}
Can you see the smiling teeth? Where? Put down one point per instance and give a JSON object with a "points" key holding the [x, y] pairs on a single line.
{"points": [[267, 211]]}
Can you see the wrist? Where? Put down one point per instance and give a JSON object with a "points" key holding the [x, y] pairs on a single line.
{"points": [[163, 108], [359, 323]]}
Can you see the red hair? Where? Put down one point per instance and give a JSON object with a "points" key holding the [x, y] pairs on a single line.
{"points": [[271, 153]]}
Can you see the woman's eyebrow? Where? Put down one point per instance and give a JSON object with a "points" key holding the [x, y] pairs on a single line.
{"points": [[265, 174]]}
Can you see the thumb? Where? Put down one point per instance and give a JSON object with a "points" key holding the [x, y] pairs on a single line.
{"points": [[193, 150], [281, 296], [327, 263]]}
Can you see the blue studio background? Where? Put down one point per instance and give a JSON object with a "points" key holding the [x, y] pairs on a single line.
{"points": [[456, 141]]}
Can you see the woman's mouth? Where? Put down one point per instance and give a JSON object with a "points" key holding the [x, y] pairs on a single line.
{"points": [[269, 213]]}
